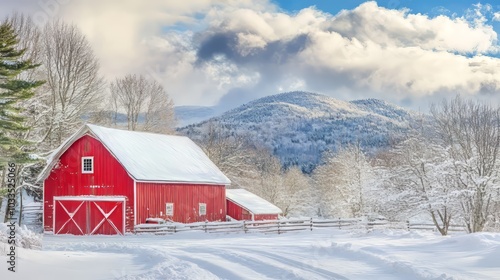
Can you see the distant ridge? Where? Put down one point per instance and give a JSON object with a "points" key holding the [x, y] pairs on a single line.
{"points": [[299, 126]]}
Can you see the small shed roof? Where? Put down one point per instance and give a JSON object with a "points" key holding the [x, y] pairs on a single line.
{"points": [[252, 202], [150, 156]]}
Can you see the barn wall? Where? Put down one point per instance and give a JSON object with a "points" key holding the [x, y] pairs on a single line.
{"points": [[237, 212], [261, 217], [240, 213], [152, 199], [109, 178]]}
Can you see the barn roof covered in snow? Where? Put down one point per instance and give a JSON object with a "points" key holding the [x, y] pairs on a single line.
{"points": [[252, 202], [150, 156]]}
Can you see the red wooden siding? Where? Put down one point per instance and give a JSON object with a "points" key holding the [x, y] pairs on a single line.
{"points": [[109, 179], [261, 217], [239, 213], [153, 197]]}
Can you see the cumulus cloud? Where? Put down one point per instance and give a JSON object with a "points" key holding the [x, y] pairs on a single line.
{"points": [[367, 51], [399, 28], [228, 52]]}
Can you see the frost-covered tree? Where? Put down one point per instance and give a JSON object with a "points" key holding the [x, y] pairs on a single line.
{"points": [[269, 179], [471, 133], [343, 183], [295, 197], [417, 176], [139, 97]]}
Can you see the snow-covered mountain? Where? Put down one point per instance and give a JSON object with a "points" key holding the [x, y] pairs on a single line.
{"points": [[299, 126]]}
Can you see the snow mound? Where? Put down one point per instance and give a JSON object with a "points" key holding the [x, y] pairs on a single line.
{"points": [[24, 237]]}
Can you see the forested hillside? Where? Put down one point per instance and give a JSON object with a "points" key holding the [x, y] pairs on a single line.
{"points": [[299, 126]]}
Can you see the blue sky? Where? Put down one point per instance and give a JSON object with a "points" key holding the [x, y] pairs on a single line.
{"points": [[228, 52], [431, 8]]}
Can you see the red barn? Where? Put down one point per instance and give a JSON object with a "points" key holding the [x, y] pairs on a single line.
{"points": [[244, 205], [106, 181]]}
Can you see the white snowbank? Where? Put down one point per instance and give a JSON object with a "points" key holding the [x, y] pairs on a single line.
{"points": [[24, 237], [320, 254]]}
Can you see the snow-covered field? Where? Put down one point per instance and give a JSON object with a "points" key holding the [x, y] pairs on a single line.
{"points": [[320, 254]]}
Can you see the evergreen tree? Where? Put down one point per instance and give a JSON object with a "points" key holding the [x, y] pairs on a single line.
{"points": [[13, 89]]}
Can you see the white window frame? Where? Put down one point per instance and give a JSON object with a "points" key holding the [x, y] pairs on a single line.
{"points": [[204, 206], [83, 165], [167, 212]]}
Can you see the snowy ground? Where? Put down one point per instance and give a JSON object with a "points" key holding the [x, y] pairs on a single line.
{"points": [[320, 254]]}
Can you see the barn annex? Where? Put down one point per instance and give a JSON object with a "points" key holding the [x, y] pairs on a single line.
{"points": [[106, 181], [244, 205]]}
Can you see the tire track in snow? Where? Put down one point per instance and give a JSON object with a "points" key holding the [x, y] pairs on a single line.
{"points": [[245, 263], [376, 259], [296, 265], [221, 271], [276, 267]]}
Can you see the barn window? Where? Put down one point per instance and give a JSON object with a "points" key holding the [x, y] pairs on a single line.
{"points": [[203, 209], [87, 164], [169, 209]]}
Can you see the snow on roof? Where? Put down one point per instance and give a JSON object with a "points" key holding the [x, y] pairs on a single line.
{"points": [[151, 157], [251, 202]]}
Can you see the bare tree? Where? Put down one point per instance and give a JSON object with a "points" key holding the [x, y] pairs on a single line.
{"points": [[73, 79], [471, 133], [140, 98], [231, 153]]}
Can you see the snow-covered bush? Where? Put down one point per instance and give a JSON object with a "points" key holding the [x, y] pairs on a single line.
{"points": [[24, 237]]}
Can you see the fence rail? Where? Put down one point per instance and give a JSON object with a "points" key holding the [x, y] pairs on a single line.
{"points": [[32, 213], [282, 226]]}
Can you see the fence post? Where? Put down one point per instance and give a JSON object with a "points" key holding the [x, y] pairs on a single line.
{"points": [[339, 224], [278, 227], [408, 225], [205, 226], [311, 220], [245, 226]]}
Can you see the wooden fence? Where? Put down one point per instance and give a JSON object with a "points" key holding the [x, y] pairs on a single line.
{"points": [[32, 214], [282, 226]]}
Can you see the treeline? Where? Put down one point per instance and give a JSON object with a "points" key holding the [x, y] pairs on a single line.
{"points": [[445, 170]]}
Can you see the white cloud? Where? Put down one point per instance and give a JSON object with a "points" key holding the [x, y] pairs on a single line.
{"points": [[389, 53], [399, 28], [496, 16], [207, 50]]}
